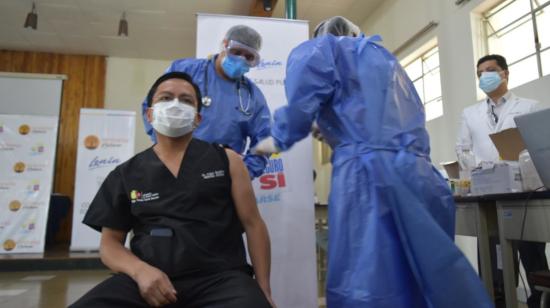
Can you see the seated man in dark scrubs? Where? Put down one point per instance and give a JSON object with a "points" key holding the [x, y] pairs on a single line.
{"points": [[188, 203]]}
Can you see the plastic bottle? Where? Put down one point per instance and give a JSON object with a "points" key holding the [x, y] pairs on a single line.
{"points": [[466, 161], [530, 179]]}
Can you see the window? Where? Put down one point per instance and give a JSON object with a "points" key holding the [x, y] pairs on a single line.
{"points": [[520, 31], [425, 75]]}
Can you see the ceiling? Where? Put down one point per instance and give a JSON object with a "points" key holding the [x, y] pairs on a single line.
{"points": [[158, 29]]}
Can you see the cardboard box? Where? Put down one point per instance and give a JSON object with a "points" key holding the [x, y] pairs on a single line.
{"points": [[451, 168], [508, 143], [502, 177]]}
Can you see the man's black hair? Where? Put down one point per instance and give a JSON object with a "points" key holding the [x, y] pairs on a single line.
{"points": [[501, 61], [174, 75]]}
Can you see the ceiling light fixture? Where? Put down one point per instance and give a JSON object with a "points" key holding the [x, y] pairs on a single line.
{"points": [[32, 18], [267, 6], [123, 25]]}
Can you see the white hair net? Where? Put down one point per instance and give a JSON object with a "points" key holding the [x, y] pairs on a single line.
{"points": [[245, 35], [337, 25]]}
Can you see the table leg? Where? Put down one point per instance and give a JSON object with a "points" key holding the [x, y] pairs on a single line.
{"points": [[485, 270], [507, 263]]}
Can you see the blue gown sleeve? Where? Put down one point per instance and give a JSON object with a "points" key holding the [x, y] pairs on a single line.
{"points": [[259, 128], [310, 82]]}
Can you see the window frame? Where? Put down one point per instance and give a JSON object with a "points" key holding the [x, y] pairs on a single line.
{"points": [[423, 54], [513, 24]]}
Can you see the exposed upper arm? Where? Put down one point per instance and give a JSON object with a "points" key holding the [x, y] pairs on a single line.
{"points": [[112, 236], [241, 190]]}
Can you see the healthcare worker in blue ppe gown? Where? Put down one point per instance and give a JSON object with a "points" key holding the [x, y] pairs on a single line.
{"points": [[391, 214], [234, 109]]}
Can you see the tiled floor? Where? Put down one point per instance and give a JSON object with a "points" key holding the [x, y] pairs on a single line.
{"points": [[46, 289], [55, 289]]}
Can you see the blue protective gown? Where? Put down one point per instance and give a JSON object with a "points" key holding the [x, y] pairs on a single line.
{"points": [[223, 121], [391, 214]]}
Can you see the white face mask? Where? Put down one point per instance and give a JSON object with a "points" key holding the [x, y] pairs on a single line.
{"points": [[173, 119]]}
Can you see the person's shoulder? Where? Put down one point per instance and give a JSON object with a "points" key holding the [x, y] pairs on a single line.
{"points": [[524, 100], [135, 162], [186, 63]]}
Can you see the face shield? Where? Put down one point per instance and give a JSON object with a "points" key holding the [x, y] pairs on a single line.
{"points": [[250, 55]]}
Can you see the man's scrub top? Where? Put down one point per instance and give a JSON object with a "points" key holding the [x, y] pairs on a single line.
{"points": [[184, 225]]}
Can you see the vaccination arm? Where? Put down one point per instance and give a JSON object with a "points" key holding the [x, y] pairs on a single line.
{"points": [[154, 285], [257, 236], [259, 129], [310, 80]]}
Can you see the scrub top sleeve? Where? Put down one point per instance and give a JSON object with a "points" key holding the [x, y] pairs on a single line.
{"points": [[310, 82], [260, 124], [111, 206]]}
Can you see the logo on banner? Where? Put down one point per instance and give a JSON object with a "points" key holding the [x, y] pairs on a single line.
{"points": [[137, 196], [38, 149], [7, 185], [274, 174], [37, 167], [91, 142], [113, 142], [9, 146], [28, 226], [41, 130], [24, 129], [27, 244], [15, 205], [268, 82], [268, 64], [103, 162], [273, 181], [19, 167], [33, 187], [9, 245]]}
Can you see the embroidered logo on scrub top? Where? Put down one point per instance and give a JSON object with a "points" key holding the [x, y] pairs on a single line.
{"points": [[213, 174], [138, 196]]}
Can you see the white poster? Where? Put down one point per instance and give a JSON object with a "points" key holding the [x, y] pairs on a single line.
{"points": [[27, 158], [105, 140], [285, 192]]}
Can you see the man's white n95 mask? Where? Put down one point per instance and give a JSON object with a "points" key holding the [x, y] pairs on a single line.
{"points": [[173, 119]]}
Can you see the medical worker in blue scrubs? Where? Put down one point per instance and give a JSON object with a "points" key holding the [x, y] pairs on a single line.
{"points": [[391, 214], [234, 109]]}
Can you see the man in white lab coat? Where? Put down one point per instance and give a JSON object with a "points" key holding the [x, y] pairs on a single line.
{"points": [[493, 114]]}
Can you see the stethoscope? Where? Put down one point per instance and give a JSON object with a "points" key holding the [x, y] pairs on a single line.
{"points": [[207, 100]]}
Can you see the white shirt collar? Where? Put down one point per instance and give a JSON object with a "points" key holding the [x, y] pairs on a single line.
{"points": [[506, 97]]}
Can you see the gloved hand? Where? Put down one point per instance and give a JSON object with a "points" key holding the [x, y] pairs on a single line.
{"points": [[316, 132], [265, 147]]}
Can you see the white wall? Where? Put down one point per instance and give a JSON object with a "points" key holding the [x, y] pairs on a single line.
{"points": [[459, 49], [127, 83]]}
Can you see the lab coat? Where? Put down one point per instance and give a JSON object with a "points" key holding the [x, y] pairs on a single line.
{"points": [[477, 124]]}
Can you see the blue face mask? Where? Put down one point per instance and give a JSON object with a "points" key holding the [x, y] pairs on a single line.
{"points": [[234, 66], [489, 81]]}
